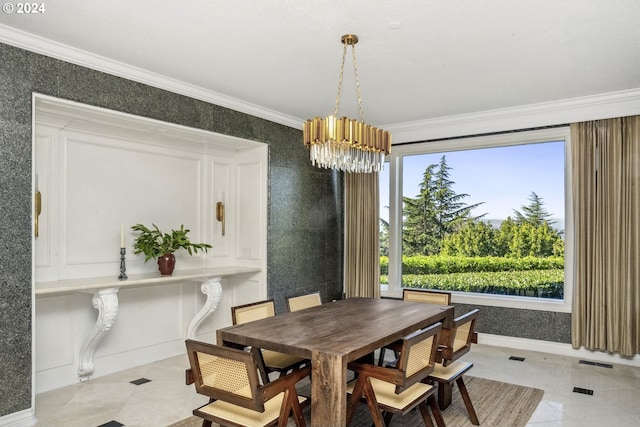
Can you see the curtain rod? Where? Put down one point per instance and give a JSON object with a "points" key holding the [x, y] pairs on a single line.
{"points": [[483, 134]]}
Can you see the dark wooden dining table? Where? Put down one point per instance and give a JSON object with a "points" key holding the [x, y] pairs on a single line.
{"points": [[332, 335]]}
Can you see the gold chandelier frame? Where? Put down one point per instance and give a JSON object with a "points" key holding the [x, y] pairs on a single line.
{"points": [[342, 143]]}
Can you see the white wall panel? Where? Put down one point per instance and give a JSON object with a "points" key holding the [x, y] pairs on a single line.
{"points": [[146, 316], [46, 182], [247, 291], [97, 176], [54, 333], [111, 182]]}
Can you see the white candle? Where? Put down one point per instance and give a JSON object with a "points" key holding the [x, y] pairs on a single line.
{"points": [[122, 236]]}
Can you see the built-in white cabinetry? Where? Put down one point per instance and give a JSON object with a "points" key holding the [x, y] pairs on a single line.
{"points": [[97, 170]]}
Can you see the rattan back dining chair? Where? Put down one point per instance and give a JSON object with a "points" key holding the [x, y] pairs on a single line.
{"points": [[450, 369], [273, 361], [229, 377], [301, 302], [399, 389], [253, 311], [428, 296], [417, 295]]}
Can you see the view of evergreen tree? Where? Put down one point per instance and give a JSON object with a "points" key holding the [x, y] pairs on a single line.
{"points": [[419, 231], [450, 212], [534, 213], [436, 212]]}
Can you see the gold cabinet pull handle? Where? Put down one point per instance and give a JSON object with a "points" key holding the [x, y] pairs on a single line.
{"points": [[220, 214], [38, 209]]}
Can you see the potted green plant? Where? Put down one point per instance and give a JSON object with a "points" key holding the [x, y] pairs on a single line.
{"points": [[155, 244]]}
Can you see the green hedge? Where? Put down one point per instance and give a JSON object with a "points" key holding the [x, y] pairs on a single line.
{"points": [[447, 264], [534, 283]]}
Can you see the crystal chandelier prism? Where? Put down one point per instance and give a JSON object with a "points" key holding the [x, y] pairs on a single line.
{"points": [[345, 144]]}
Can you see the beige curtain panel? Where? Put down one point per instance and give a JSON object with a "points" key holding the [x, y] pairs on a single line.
{"points": [[606, 192], [362, 225]]}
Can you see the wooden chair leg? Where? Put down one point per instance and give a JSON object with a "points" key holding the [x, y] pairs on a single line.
{"points": [[294, 407], [467, 402], [372, 402], [426, 418], [435, 410], [354, 400]]}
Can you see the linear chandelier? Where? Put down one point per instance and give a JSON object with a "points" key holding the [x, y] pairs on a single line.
{"points": [[345, 144]]}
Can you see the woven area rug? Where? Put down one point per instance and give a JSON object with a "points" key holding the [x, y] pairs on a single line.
{"points": [[497, 405]]}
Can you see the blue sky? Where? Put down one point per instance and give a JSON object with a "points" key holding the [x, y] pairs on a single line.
{"points": [[502, 177]]}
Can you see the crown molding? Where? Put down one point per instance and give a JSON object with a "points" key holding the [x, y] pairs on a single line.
{"points": [[600, 106], [594, 107], [56, 50]]}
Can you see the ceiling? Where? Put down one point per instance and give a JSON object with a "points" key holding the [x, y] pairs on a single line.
{"points": [[417, 59]]}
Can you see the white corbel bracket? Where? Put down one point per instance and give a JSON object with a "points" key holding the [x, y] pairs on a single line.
{"points": [[213, 290], [106, 302]]}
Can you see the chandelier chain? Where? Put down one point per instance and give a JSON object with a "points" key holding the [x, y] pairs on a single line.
{"points": [[341, 79], [355, 69], [344, 55]]}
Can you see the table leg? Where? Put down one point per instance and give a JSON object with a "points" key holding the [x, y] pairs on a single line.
{"points": [[328, 389]]}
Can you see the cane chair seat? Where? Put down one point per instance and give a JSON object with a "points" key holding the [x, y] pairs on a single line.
{"points": [[280, 362], [387, 397], [239, 416], [451, 372], [303, 301], [229, 377]]}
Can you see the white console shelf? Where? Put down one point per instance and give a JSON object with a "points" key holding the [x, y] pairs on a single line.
{"points": [[68, 286], [105, 299]]}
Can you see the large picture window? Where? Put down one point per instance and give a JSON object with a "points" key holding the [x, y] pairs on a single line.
{"points": [[478, 216]]}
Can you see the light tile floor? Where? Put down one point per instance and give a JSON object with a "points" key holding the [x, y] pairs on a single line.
{"points": [[166, 398]]}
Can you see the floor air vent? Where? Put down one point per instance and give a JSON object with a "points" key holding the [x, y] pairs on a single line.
{"points": [[518, 358], [583, 391], [140, 381], [111, 424], [602, 365]]}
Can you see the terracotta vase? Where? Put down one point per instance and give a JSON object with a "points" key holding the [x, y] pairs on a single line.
{"points": [[166, 264]]}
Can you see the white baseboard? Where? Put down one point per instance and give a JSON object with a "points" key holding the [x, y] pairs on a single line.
{"points": [[26, 418], [556, 348]]}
